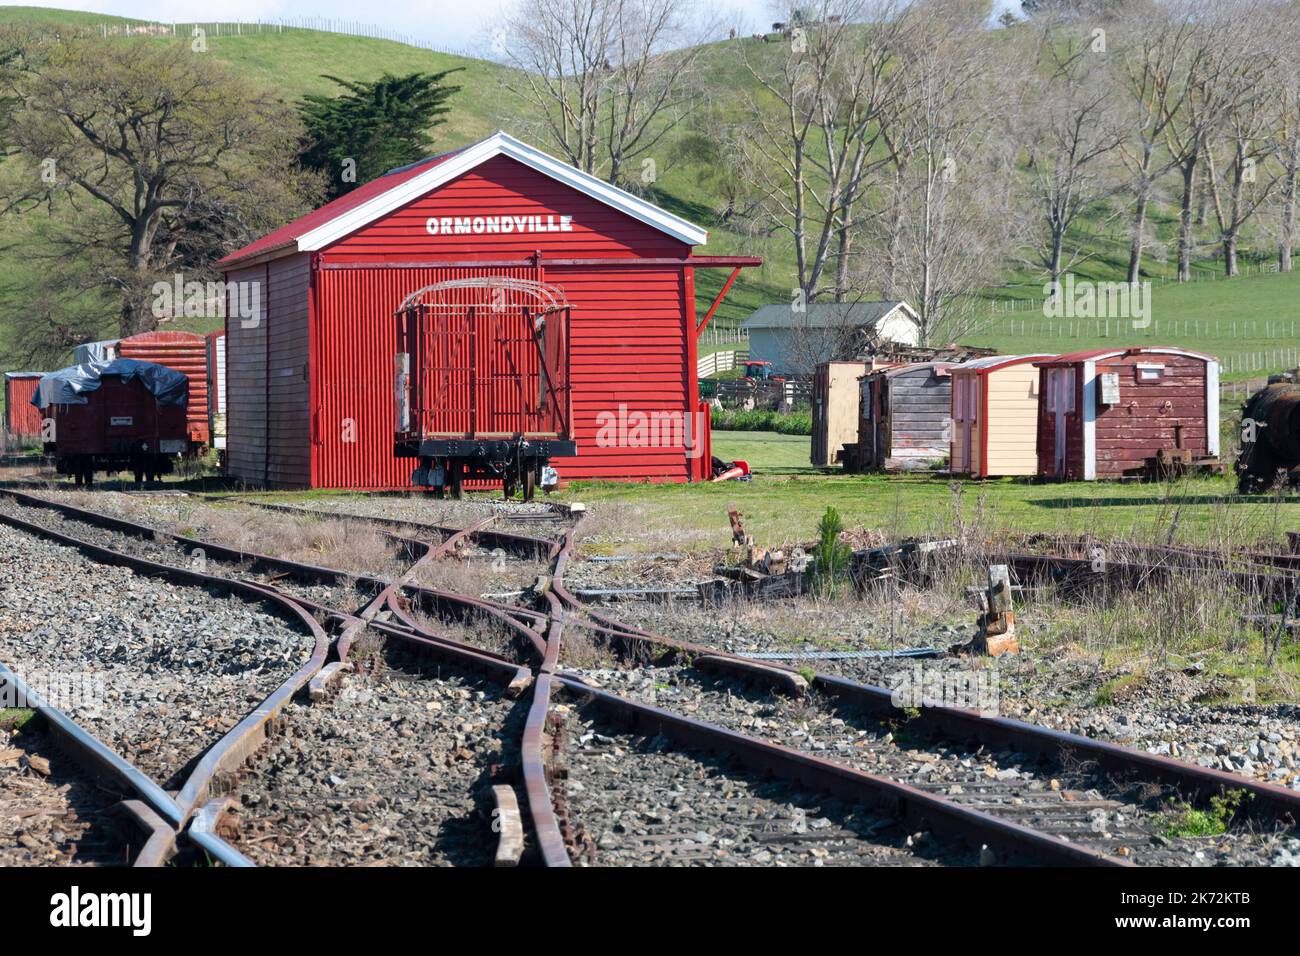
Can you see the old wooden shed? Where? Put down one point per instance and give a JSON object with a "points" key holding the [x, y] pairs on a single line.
{"points": [[995, 416], [1105, 413]]}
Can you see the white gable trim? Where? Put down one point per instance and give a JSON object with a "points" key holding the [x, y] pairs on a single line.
{"points": [[1212, 408], [500, 144], [1089, 421], [905, 308]]}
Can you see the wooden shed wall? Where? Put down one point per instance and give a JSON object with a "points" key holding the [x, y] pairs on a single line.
{"points": [[246, 431], [1012, 419], [920, 403], [835, 409], [1141, 424]]}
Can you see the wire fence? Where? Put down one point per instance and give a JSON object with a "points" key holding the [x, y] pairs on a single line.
{"points": [[1006, 306], [282, 25]]}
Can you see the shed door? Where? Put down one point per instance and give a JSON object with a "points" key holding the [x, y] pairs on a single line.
{"points": [[964, 420], [1060, 400]]}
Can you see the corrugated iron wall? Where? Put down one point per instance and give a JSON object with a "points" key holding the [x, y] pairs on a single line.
{"points": [[630, 375], [22, 418], [354, 341], [185, 352]]}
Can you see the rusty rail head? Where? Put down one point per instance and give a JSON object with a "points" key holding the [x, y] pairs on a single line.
{"points": [[546, 827]]}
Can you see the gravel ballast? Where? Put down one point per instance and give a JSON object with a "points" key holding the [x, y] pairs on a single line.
{"points": [[396, 770], [164, 670]]}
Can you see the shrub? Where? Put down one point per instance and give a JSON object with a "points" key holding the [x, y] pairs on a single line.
{"points": [[761, 420]]}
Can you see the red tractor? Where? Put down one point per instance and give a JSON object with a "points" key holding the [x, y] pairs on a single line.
{"points": [[761, 372]]}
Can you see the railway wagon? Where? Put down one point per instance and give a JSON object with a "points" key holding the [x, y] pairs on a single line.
{"points": [[22, 420], [903, 418], [123, 415], [995, 416], [311, 376], [187, 353], [1107, 413], [482, 384]]}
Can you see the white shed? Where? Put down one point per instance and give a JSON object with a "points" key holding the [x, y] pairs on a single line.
{"points": [[796, 342]]}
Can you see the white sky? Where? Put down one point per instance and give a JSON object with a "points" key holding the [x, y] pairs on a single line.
{"points": [[450, 24]]}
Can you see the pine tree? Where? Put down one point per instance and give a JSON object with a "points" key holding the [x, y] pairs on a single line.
{"points": [[373, 127]]}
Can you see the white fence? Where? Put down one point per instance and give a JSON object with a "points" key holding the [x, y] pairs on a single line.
{"points": [[716, 362], [280, 25]]}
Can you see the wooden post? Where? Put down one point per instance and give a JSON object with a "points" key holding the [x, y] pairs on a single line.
{"points": [[997, 624]]}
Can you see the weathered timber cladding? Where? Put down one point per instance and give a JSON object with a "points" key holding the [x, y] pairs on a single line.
{"points": [[1175, 409], [246, 438]]}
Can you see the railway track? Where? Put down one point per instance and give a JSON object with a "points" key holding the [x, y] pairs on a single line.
{"points": [[969, 805], [1095, 794], [404, 760]]}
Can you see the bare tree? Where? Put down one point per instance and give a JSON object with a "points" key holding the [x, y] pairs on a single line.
{"points": [[1071, 129], [608, 78], [1249, 117], [812, 156], [1288, 154], [943, 215], [1149, 50]]}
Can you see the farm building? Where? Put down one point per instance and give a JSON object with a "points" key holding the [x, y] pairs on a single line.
{"points": [[1109, 412], [902, 418], [834, 410], [797, 342], [311, 376], [22, 418], [995, 416]]}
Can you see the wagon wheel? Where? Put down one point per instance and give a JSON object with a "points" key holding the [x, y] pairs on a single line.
{"points": [[530, 483], [456, 477], [508, 486]]}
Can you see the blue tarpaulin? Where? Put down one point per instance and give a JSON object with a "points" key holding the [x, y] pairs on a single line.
{"points": [[69, 386]]}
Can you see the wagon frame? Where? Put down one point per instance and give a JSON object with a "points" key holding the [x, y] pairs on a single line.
{"points": [[481, 383]]}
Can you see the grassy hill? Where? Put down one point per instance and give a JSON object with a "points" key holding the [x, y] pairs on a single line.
{"points": [[293, 62]]}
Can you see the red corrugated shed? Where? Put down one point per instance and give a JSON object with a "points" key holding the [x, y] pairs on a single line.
{"points": [[22, 418], [185, 352], [1103, 413], [311, 379]]}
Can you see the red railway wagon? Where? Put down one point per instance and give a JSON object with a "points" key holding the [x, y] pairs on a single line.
{"points": [[22, 419], [482, 384], [186, 352], [122, 415], [1106, 413], [311, 383]]}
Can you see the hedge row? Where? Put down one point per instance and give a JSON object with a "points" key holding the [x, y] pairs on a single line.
{"points": [[784, 423]]}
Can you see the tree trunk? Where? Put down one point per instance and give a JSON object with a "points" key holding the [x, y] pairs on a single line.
{"points": [[845, 246], [1288, 212], [1139, 228], [1185, 215], [1230, 254]]}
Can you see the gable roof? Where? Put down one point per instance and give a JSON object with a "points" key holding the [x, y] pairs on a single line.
{"points": [[1093, 355], [826, 315], [396, 188], [993, 363]]}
